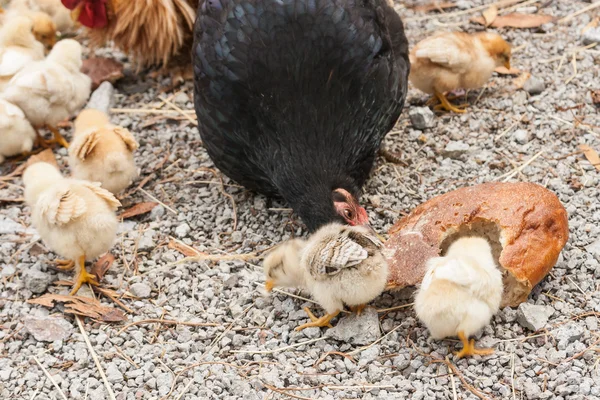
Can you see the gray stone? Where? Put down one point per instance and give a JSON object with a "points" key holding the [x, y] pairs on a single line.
{"points": [[163, 383], [140, 290], [102, 98], [48, 329], [113, 374], [532, 391], [421, 117], [357, 329], [5, 373], [182, 230], [36, 280], [455, 149], [534, 86], [369, 355], [181, 99], [157, 212], [591, 35], [568, 333], [522, 136], [594, 248], [146, 241], [533, 317]]}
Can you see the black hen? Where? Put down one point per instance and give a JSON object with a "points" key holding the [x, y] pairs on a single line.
{"points": [[293, 97]]}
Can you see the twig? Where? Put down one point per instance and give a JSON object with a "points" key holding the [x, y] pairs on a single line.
{"points": [[158, 201], [512, 375], [165, 322], [564, 121], [574, 63], [454, 395], [339, 353], [109, 390], [509, 175], [504, 132], [279, 349], [185, 389], [576, 13], [216, 257], [147, 111], [51, 378], [285, 393], [499, 4], [381, 310], [182, 112]]}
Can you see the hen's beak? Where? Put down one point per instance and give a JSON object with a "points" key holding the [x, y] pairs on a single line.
{"points": [[269, 285], [507, 64]]}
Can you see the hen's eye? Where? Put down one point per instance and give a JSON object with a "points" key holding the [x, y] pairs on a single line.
{"points": [[348, 214]]}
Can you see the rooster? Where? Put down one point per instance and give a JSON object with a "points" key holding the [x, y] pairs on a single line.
{"points": [[294, 97], [152, 32]]}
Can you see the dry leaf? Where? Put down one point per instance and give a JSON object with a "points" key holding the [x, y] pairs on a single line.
{"points": [[101, 69], [83, 306], [490, 15], [434, 6], [591, 155], [102, 265], [516, 20], [46, 156], [595, 97], [519, 81], [138, 209], [184, 249], [504, 71]]}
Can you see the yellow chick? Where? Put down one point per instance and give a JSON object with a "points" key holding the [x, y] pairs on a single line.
{"points": [[460, 293], [282, 266], [454, 60], [43, 26], [61, 15], [18, 48], [16, 133], [102, 152], [75, 218], [343, 265], [51, 90]]}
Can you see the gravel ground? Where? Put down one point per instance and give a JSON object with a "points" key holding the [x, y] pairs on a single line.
{"points": [[253, 351]]}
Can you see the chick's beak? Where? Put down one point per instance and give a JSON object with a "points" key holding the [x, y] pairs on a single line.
{"points": [[374, 232], [269, 285], [507, 64]]}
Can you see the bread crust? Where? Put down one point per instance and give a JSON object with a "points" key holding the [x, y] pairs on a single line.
{"points": [[527, 222]]}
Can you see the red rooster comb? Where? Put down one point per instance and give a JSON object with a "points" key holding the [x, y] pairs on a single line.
{"points": [[89, 13]]}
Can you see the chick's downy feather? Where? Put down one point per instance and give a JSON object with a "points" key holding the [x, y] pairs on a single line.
{"points": [[460, 291], [73, 217], [344, 266], [452, 60], [16, 133], [295, 97], [102, 152], [53, 89], [282, 265]]}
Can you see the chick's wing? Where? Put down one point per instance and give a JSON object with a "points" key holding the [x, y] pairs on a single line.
{"points": [[337, 254], [61, 205], [104, 194], [127, 138], [446, 50]]}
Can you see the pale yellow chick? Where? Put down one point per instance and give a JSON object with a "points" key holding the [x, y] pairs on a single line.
{"points": [[51, 90], [17, 136], [282, 266], [75, 218], [102, 152], [18, 48], [460, 293], [61, 15], [43, 26], [456, 60], [344, 265]]}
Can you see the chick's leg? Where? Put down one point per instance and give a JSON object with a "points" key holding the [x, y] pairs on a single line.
{"points": [[446, 105], [58, 138], [325, 320], [65, 265], [469, 347], [83, 277], [358, 309]]}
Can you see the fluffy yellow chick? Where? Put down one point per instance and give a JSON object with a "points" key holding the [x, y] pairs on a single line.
{"points": [[453, 60], [75, 218], [282, 266], [102, 152], [43, 26], [460, 293], [61, 15], [16, 133], [18, 48], [51, 90], [343, 265]]}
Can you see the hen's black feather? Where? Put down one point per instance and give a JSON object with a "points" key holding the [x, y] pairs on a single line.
{"points": [[293, 97]]}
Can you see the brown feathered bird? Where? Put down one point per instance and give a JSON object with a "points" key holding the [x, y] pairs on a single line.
{"points": [[152, 32]]}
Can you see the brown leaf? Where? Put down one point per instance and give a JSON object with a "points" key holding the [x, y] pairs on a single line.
{"points": [[519, 81], [138, 209], [595, 97], [184, 249], [101, 266], [591, 155], [83, 306], [435, 5], [516, 20], [490, 15], [502, 70], [101, 69]]}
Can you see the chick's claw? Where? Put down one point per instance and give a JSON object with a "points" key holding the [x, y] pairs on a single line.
{"points": [[446, 105], [325, 320], [83, 277], [64, 265], [469, 348]]}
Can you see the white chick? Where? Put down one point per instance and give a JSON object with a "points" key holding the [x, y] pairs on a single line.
{"points": [[60, 15], [16, 133], [18, 48], [460, 293], [282, 266], [51, 90], [102, 152], [75, 218], [344, 265]]}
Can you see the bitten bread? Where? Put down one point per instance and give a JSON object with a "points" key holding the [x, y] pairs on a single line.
{"points": [[525, 223]]}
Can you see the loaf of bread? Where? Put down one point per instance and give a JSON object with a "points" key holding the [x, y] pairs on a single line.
{"points": [[525, 223]]}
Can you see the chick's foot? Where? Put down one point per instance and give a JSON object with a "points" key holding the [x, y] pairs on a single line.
{"points": [[58, 138], [83, 277], [325, 320], [358, 309], [446, 105], [469, 348], [64, 265]]}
